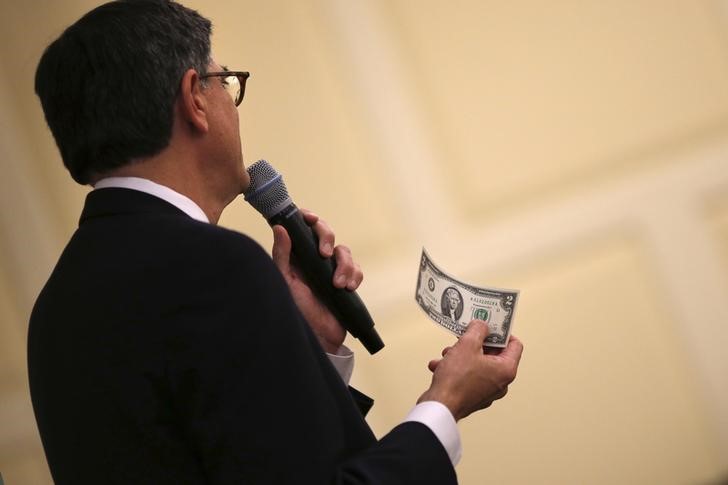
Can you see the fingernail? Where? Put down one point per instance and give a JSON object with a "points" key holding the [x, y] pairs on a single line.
{"points": [[327, 248], [341, 279]]}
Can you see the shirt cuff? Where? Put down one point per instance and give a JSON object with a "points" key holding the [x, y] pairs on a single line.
{"points": [[343, 361], [440, 420]]}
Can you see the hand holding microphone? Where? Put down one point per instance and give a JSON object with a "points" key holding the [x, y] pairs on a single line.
{"points": [[325, 326], [268, 195]]}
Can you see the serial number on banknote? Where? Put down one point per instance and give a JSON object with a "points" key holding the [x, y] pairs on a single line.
{"points": [[452, 304]]}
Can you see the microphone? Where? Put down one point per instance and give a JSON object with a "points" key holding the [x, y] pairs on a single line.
{"points": [[268, 195]]}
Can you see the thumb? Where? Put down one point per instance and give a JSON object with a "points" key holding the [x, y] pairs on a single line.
{"points": [[475, 334], [281, 249]]}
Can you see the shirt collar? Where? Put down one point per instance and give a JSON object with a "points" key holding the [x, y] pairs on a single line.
{"points": [[183, 203]]}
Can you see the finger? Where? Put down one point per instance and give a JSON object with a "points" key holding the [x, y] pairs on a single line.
{"points": [[345, 267], [324, 233], [322, 230], [475, 335], [356, 280], [357, 275], [492, 350], [309, 216], [446, 350], [513, 350], [281, 249], [432, 365]]}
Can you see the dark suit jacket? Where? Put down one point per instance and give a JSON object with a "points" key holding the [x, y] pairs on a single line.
{"points": [[163, 350]]}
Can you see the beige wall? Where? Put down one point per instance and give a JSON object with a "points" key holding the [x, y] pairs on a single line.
{"points": [[577, 150]]}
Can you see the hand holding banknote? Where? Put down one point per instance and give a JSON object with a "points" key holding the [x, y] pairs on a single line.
{"points": [[466, 379], [478, 369]]}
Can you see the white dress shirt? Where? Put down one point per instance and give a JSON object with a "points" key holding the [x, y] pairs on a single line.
{"points": [[432, 414]]}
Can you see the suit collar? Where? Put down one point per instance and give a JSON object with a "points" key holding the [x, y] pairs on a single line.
{"points": [[118, 201], [158, 190]]}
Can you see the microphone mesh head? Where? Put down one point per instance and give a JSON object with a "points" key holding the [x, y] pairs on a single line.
{"points": [[266, 193]]}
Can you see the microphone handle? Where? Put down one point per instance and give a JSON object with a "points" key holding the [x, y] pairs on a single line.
{"points": [[318, 272]]}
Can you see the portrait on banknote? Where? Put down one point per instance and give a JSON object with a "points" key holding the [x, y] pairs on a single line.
{"points": [[451, 304]]}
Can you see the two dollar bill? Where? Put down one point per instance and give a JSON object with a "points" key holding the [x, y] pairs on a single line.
{"points": [[452, 304]]}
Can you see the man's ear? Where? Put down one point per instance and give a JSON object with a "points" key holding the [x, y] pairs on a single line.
{"points": [[191, 102]]}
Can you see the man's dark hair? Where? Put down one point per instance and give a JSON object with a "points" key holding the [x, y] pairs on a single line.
{"points": [[109, 82]]}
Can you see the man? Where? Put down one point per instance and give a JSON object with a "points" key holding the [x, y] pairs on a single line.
{"points": [[164, 349]]}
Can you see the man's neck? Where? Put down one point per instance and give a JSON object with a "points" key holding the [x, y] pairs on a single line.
{"points": [[186, 182]]}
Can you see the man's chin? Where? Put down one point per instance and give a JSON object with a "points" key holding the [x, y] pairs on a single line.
{"points": [[244, 180], [244, 186]]}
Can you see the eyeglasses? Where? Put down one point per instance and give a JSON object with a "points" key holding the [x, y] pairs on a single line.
{"points": [[233, 82]]}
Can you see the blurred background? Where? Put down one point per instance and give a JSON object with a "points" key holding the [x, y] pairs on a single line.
{"points": [[575, 150]]}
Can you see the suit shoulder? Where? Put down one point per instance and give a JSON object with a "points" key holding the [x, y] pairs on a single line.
{"points": [[203, 238], [223, 237], [217, 246]]}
